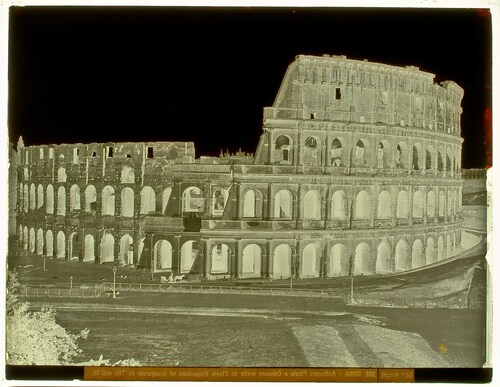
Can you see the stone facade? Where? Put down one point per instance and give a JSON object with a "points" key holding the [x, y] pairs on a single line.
{"points": [[357, 169]]}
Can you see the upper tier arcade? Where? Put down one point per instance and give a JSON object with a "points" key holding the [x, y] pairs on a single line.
{"points": [[335, 88]]}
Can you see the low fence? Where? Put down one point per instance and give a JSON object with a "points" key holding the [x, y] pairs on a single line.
{"points": [[430, 304], [90, 292], [212, 289]]}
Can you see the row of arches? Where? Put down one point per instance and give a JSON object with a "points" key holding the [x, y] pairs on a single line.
{"points": [[430, 204], [337, 262], [32, 198], [398, 155]]}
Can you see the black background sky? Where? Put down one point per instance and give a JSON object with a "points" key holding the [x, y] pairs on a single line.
{"points": [[205, 74]]}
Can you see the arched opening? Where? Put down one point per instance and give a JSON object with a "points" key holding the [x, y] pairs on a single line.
{"points": [[450, 204], [73, 246], [126, 252], [311, 154], [310, 262], [339, 206], [312, 205], [430, 252], [402, 205], [127, 175], [40, 196], [61, 245], [383, 258], [440, 254], [189, 253], [431, 204], [402, 155], [219, 199], [383, 154], [61, 201], [359, 153], [192, 200], [163, 255], [282, 150], [449, 249], [61, 175], [362, 261], [165, 197], [49, 242], [220, 258], [25, 238], [252, 204], [74, 198], [20, 236], [283, 205], [417, 149], [442, 204], [89, 255], [127, 202], [108, 201], [428, 157], [148, 201], [32, 240], [26, 198], [448, 161], [251, 261], [339, 262], [384, 205], [363, 205], [107, 248], [282, 261], [418, 204], [39, 241], [32, 197], [402, 256], [90, 198], [336, 153], [21, 196], [440, 161], [416, 254]]}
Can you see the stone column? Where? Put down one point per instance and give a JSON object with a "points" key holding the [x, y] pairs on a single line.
{"points": [[207, 259], [269, 271], [238, 258]]}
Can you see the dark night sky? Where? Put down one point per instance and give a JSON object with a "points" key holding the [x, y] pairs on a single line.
{"points": [[205, 74]]}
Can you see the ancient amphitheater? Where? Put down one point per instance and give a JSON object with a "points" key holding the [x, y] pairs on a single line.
{"points": [[357, 168]]}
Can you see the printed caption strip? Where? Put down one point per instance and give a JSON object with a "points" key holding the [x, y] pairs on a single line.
{"points": [[405, 375]]}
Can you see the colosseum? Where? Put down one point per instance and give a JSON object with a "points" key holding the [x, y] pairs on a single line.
{"points": [[357, 171]]}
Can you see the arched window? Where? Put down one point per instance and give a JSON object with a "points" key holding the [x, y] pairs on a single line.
{"points": [[148, 200], [61, 175], [283, 205], [107, 249], [416, 254], [126, 251], [26, 197], [359, 153], [49, 242], [402, 256], [416, 157], [363, 205], [220, 259], [384, 205], [251, 261], [40, 196], [39, 241], [165, 197], [336, 153], [430, 253], [32, 197], [74, 198], [61, 201], [401, 155], [383, 258], [219, 199], [282, 150], [339, 262], [312, 205], [428, 157], [189, 253], [440, 254], [383, 154], [440, 162], [282, 261], [127, 208], [252, 204], [61, 245], [108, 201], [418, 204], [442, 204], [163, 255], [362, 260], [431, 204], [310, 262], [311, 154], [32, 240], [339, 206], [21, 196], [25, 238], [89, 255], [90, 198], [192, 200], [402, 205]]}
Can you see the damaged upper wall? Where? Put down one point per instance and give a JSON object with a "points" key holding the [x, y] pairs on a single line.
{"points": [[335, 88]]}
